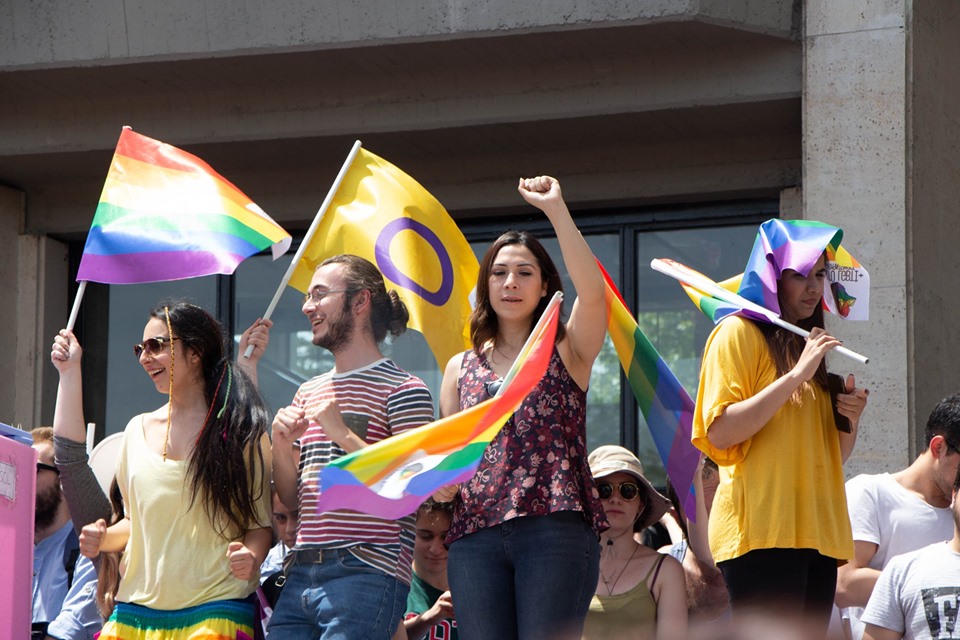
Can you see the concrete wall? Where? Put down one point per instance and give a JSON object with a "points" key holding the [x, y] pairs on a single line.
{"points": [[33, 287], [54, 33], [855, 172], [933, 199]]}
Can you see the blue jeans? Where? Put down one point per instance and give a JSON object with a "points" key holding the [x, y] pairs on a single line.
{"points": [[337, 597], [527, 578]]}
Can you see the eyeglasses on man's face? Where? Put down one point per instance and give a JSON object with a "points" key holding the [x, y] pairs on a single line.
{"points": [[316, 296], [627, 490], [152, 346], [47, 467]]}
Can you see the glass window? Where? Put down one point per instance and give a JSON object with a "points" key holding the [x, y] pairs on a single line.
{"points": [[667, 316], [713, 240]]}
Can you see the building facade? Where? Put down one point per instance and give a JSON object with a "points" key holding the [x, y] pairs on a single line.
{"points": [[675, 127]]}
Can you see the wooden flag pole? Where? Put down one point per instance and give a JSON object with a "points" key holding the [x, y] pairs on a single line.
{"points": [[309, 236]]}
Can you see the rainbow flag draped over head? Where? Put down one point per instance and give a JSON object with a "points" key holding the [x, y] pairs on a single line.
{"points": [[391, 478], [165, 214], [797, 245], [382, 214], [664, 403]]}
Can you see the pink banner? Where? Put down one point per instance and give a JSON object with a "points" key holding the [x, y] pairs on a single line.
{"points": [[18, 484]]}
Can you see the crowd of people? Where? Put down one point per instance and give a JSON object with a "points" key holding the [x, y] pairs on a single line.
{"points": [[211, 529]]}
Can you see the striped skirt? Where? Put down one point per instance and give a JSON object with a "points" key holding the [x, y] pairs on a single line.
{"points": [[220, 620]]}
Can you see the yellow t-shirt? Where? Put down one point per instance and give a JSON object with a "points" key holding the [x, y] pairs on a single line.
{"points": [[174, 558], [784, 487]]}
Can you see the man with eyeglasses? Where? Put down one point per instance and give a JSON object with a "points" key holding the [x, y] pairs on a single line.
{"points": [[64, 583], [892, 514], [349, 573]]}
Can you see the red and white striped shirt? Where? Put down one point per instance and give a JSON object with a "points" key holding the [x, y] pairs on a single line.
{"points": [[376, 401]]}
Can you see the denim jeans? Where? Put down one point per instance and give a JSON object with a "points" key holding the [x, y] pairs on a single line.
{"points": [[529, 578], [337, 598]]}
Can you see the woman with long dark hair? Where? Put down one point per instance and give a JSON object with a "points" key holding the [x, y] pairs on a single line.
{"points": [[194, 476], [764, 413], [524, 554]]}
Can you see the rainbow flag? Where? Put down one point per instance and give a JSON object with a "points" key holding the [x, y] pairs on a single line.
{"points": [[165, 214], [714, 308], [664, 403], [797, 245], [382, 214], [391, 478]]}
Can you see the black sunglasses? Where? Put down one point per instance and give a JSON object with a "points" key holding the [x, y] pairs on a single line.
{"points": [[493, 386], [627, 490], [152, 346], [46, 467]]}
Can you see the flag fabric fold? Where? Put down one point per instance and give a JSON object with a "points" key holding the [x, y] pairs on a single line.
{"points": [[797, 245], [391, 478], [387, 217], [165, 214], [664, 403]]}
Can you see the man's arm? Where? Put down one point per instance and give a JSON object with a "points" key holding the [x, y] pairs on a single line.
{"points": [[855, 580], [873, 632], [79, 618]]}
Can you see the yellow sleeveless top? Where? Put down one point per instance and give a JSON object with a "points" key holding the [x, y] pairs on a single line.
{"points": [[632, 614]]}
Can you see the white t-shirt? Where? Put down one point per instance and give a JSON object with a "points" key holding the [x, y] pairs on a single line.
{"points": [[917, 594], [898, 521]]}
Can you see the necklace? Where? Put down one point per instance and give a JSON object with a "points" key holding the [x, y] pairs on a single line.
{"points": [[611, 587]]}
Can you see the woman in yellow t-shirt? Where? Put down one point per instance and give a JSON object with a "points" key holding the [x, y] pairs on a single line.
{"points": [[779, 523], [194, 477]]}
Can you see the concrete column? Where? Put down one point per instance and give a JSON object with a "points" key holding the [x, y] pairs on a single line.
{"points": [[933, 201], [33, 286], [855, 175], [11, 219]]}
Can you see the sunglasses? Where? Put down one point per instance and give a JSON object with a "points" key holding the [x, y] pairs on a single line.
{"points": [[46, 467], [493, 386], [152, 346], [627, 490]]}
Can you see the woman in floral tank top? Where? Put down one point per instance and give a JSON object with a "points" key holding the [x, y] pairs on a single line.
{"points": [[524, 551]]}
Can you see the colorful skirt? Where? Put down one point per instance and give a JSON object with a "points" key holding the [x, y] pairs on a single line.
{"points": [[220, 620]]}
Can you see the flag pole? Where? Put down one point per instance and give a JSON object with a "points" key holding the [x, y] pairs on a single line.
{"points": [[512, 373], [705, 284], [75, 311], [309, 236]]}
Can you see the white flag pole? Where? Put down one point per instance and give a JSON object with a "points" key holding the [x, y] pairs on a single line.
{"points": [[689, 276], [76, 305], [512, 373], [309, 236]]}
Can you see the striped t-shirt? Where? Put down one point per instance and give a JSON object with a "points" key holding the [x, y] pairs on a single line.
{"points": [[377, 401]]}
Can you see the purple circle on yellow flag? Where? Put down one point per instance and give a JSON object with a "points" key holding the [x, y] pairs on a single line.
{"points": [[391, 271]]}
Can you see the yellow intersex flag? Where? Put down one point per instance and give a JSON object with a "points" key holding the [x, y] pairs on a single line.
{"points": [[382, 214]]}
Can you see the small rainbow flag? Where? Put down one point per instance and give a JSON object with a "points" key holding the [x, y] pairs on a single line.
{"points": [[391, 478], [165, 214], [665, 404]]}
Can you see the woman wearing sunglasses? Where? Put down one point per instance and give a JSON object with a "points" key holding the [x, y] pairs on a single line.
{"points": [[523, 541], [640, 593], [194, 476]]}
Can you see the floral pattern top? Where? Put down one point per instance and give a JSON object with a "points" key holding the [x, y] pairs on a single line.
{"points": [[536, 464]]}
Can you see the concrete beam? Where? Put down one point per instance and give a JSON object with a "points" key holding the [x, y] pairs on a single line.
{"points": [[57, 34]]}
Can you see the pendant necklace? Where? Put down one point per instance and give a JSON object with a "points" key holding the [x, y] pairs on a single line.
{"points": [[606, 582]]}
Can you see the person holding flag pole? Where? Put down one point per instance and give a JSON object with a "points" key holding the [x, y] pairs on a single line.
{"points": [[524, 555], [764, 413]]}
